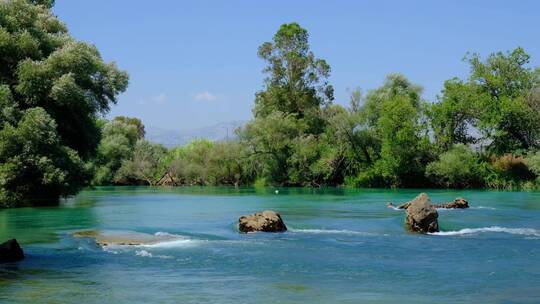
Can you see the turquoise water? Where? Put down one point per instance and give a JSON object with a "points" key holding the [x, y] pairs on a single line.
{"points": [[343, 246]]}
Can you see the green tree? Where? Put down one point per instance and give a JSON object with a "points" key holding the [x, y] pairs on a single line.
{"points": [[35, 167], [394, 136], [270, 140], [288, 112], [404, 143], [297, 82], [43, 67], [510, 116], [143, 167], [455, 114], [394, 85], [117, 144]]}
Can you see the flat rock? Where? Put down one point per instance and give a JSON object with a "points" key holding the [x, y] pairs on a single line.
{"points": [[11, 251], [108, 238], [266, 221]]}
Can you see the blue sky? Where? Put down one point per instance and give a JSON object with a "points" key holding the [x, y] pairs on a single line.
{"points": [[194, 63]]}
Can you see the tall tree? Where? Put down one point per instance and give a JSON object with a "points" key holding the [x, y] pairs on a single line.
{"points": [[297, 82], [288, 112], [43, 67], [510, 116], [117, 144], [455, 114]]}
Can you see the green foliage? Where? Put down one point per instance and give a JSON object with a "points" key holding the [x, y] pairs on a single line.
{"points": [[35, 167], [394, 85], [298, 82], [203, 162], [46, 3], [64, 85], [509, 116], [402, 151], [283, 139], [459, 167], [533, 162], [271, 141], [454, 114], [143, 167], [118, 141]]}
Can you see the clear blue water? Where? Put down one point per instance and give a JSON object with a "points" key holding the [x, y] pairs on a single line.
{"points": [[343, 246]]}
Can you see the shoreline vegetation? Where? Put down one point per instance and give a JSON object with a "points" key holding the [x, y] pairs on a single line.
{"points": [[480, 132]]}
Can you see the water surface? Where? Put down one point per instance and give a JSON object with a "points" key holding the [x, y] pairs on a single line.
{"points": [[343, 246]]}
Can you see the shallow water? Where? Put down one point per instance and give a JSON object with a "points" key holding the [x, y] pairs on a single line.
{"points": [[343, 246]]}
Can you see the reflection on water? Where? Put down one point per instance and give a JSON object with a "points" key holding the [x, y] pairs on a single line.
{"points": [[343, 246]]}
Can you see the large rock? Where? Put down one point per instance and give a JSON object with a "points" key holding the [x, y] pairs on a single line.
{"points": [[266, 221], [10, 251], [422, 215], [458, 203]]}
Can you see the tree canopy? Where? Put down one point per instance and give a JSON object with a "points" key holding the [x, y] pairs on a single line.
{"points": [[47, 74]]}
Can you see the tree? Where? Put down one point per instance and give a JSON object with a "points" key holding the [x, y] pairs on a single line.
{"points": [[392, 135], [270, 140], [118, 140], [403, 145], [288, 112], [35, 167], [46, 3], [298, 82], [456, 113], [394, 85], [510, 116], [43, 67], [143, 167]]}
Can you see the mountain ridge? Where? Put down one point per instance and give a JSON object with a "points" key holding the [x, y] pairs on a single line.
{"points": [[172, 138]]}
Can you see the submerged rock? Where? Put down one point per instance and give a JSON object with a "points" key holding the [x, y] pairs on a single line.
{"points": [[458, 203], [266, 221], [108, 238], [422, 215], [10, 251]]}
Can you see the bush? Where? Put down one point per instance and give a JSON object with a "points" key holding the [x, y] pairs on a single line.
{"points": [[459, 167], [533, 163], [512, 167]]}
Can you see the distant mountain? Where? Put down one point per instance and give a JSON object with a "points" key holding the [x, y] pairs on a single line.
{"points": [[172, 138]]}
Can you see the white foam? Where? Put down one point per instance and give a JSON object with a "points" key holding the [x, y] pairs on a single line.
{"points": [[143, 253], [518, 231], [171, 244], [482, 207], [110, 249]]}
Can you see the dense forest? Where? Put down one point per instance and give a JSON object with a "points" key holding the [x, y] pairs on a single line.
{"points": [[480, 132]]}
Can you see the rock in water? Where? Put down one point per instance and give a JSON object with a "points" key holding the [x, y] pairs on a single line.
{"points": [[266, 221], [10, 251], [458, 203], [125, 238], [421, 215]]}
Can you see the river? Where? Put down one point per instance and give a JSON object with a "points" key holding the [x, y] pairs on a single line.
{"points": [[342, 246]]}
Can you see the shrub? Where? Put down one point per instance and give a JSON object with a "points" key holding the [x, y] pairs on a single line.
{"points": [[459, 167]]}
